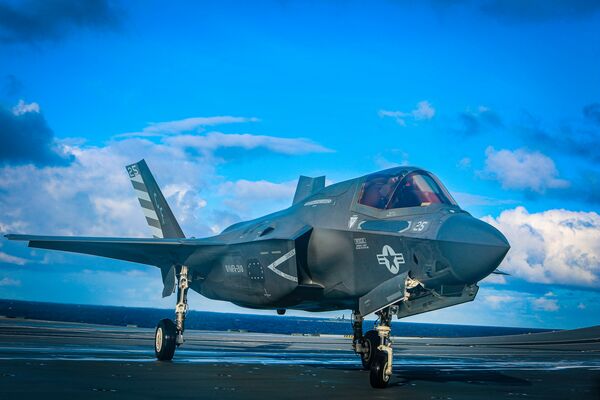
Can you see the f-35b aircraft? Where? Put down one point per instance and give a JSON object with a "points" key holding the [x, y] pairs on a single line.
{"points": [[391, 243]]}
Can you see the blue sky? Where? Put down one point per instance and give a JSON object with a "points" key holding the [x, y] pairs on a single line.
{"points": [[230, 101]]}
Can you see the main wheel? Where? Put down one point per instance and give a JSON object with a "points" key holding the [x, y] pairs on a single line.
{"points": [[371, 342], [164, 340], [378, 377]]}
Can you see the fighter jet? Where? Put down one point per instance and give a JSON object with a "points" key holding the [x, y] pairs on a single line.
{"points": [[393, 242]]}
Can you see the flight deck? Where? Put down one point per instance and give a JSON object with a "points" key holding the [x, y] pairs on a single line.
{"points": [[70, 360]]}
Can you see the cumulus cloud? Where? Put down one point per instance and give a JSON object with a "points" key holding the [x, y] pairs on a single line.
{"points": [[242, 195], [554, 246], [522, 169], [478, 121], [36, 21], [423, 111], [545, 304], [195, 124], [25, 137], [24, 108], [497, 301], [93, 195]]}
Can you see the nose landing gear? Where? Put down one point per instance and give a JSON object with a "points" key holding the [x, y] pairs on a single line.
{"points": [[168, 334], [375, 346], [381, 366]]}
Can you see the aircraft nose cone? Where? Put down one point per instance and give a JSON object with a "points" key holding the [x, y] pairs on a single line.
{"points": [[472, 247]]}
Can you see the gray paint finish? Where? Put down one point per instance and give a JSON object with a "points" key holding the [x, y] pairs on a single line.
{"points": [[325, 252]]}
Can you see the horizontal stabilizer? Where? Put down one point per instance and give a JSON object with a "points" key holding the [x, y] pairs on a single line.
{"points": [[158, 252], [308, 186]]}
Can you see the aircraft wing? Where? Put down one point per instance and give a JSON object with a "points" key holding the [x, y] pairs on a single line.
{"points": [[158, 252]]}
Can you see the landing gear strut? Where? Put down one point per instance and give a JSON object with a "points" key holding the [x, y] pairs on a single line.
{"points": [[169, 334], [381, 365], [181, 307]]}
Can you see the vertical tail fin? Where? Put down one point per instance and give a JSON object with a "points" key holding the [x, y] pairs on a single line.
{"points": [[307, 186], [158, 214]]}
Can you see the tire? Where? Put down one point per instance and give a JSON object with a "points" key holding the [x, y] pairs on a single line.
{"points": [[377, 377], [164, 340], [371, 342]]}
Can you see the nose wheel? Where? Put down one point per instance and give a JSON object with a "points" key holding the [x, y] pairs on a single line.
{"points": [[382, 359], [168, 334], [378, 376], [375, 346]]}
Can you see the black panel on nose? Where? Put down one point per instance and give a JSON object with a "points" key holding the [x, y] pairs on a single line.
{"points": [[472, 247]]}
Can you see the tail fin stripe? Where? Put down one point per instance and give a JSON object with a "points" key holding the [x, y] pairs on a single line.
{"points": [[136, 178], [153, 222], [156, 210], [149, 213], [139, 186], [157, 233], [146, 204], [143, 195]]}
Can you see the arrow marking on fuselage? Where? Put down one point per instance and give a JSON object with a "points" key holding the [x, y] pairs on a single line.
{"points": [[281, 260]]}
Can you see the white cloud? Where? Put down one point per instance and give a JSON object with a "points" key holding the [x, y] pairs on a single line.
{"points": [[423, 111], [554, 246], [24, 108], [545, 304], [186, 125], [213, 141], [93, 195], [496, 301], [4, 282], [7, 258], [521, 169], [243, 195]]}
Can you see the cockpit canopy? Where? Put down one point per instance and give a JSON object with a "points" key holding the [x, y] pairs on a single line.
{"points": [[419, 188]]}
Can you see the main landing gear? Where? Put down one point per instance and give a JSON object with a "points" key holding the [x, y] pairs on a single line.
{"points": [[169, 334], [375, 347]]}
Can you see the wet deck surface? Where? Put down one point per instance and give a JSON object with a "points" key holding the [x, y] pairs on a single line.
{"points": [[41, 359]]}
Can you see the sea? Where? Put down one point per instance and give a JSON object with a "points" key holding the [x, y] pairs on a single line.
{"points": [[215, 321]]}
